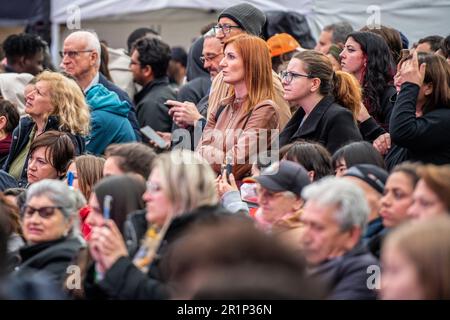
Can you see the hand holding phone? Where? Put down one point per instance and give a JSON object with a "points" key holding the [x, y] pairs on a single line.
{"points": [[228, 166], [153, 136]]}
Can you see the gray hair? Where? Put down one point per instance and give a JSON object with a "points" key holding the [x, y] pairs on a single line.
{"points": [[353, 210], [60, 195], [340, 31], [92, 42], [210, 34]]}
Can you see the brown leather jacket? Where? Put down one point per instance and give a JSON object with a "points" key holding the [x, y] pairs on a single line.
{"points": [[219, 91], [238, 134]]}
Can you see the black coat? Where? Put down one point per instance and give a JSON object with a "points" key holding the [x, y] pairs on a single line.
{"points": [[426, 138], [386, 106], [21, 136], [150, 106], [125, 281], [123, 96], [328, 123], [50, 258], [347, 276], [194, 90]]}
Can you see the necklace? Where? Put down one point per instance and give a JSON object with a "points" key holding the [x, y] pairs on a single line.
{"points": [[239, 101]]}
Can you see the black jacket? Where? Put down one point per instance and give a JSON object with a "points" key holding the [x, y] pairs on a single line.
{"points": [[124, 281], [21, 136], [425, 138], [150, 106], [371, 129], [123, 96], [134, 229], [386, 107], [194, 90], [328, 123], [347, 276], [50, 258]]}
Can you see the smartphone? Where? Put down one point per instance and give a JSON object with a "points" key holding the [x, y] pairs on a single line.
{"points": [[228, 166], [153, 136], [70, 178], [107, 206]]}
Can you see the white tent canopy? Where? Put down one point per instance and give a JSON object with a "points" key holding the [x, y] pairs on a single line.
{"points": [[180, 20]]}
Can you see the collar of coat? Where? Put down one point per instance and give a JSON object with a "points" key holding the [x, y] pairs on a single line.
{"points": [[311, 123]]}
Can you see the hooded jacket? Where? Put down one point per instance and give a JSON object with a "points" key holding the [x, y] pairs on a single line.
{"points": [[109, 123], [194, 67]]}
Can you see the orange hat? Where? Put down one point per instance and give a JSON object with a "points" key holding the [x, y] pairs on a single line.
{"points": [[282, 43]]}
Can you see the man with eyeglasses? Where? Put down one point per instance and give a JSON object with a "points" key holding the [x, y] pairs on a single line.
{"points": [[234, 20], [186, 114], [149, 63], [81, 59], [189, 112]]}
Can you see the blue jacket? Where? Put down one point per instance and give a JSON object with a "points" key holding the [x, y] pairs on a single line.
{"points": [[109, 123], [123, 96]]}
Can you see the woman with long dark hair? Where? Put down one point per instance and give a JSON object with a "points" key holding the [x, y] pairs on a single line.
{"points": [[367, 56]]}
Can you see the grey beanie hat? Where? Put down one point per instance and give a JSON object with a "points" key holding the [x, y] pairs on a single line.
{"points": [[248, 17]]}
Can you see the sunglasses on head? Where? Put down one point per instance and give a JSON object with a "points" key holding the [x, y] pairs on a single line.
{"points": [[44, 212]]}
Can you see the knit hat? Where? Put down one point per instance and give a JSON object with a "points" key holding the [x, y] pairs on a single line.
{"points": [[369, 173], [282, 43], [248, 17]]}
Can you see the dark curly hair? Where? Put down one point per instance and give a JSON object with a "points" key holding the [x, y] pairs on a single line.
{"points": [[154, 53], [23, 45], [379, 72]]}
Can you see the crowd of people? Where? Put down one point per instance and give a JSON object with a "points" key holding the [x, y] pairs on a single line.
{"points": [[271, 170]]}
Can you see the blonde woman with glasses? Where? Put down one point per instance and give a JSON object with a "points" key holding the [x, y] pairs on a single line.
{"points": [[180, 192]]}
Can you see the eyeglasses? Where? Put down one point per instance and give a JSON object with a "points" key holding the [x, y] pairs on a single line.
{"points": [[72, 54], [153, 187], [225, 28], [203, 59], [44, 212], [288, 76]]}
